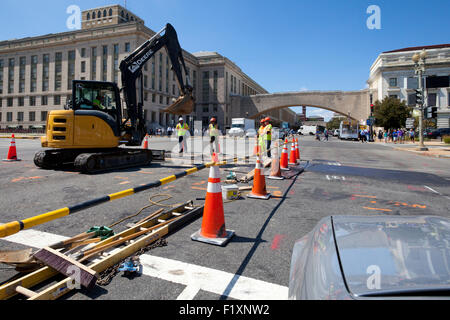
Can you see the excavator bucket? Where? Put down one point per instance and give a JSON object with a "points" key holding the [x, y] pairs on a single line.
{"points": [[184, 105]]}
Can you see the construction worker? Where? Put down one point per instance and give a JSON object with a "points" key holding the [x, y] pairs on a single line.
{"points": [[182, 129], [214, 134], [260, 137], [98, 102], [268, 135]]}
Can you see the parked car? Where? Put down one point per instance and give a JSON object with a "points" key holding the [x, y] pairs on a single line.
{"points": [[373, 257], [438, 133], [251, 133], [336, 133]]}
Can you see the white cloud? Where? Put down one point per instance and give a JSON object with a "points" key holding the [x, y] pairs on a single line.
{"points": [[317, 112]]}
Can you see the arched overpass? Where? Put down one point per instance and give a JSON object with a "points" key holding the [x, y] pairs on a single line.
{"points": [[355, 104]]}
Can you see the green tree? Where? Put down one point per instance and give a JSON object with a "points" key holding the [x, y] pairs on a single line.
{"points": [[391, 113], [334, 123]]}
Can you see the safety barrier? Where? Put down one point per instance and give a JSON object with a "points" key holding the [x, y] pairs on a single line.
{"points": [[14, 227]]}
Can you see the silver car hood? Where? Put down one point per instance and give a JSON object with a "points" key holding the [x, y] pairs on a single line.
{"points": [[393, 255]]}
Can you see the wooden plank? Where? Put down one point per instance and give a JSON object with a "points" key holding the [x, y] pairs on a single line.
{"points": [[26, 292], [8, 290], [61, 288]]}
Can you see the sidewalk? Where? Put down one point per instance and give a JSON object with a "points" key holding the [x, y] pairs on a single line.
{"points": [[436, 148]]}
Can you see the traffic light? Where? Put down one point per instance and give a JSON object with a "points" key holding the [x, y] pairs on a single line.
{"points": [[419, 97], [371, 108], [433, 112]]}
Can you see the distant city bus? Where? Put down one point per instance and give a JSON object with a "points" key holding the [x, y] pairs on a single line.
{"points": [[348, 131]]}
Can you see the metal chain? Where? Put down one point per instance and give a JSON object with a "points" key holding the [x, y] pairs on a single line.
{"points": [[106, 276]]}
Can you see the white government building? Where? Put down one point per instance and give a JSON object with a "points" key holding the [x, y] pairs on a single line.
{"points": [[392, 74]]}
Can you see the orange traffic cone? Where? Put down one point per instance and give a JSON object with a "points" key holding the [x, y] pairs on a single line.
{"points": [[145, 142], [275, 172], [293, 155], [259, 183], [297, 152], [284, 157], [213, 225], [12, 152]]}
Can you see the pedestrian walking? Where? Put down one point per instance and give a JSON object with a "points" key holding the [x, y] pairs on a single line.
{"points": [[386, 136], [214, 135], [380, 135], [326, 134], [411, 135]]}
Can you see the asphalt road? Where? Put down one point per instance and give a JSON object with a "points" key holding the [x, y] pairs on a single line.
{"points": [[340, 178]]}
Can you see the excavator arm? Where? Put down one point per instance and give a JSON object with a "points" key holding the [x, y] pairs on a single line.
{"points": [[131, 71]]}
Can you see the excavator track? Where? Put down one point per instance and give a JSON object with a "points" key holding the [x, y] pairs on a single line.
{"points": [[89, 161]]}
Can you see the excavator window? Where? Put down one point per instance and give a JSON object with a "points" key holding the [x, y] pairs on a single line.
{"points": [[96, 96]]}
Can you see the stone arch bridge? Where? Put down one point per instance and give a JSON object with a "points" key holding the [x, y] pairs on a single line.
{"points": [[353, 104]]}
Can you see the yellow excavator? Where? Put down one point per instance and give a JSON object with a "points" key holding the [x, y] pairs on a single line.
{"points": [[89, 133]]}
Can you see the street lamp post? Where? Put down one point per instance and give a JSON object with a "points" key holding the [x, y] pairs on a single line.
{"points": [[419, 68]]}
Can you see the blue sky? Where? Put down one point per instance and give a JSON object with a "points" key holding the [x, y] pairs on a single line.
{"points": [[285, 45]]}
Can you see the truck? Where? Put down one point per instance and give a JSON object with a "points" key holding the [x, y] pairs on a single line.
{"points": [[311, 130], [240, 126], [348, 131]]}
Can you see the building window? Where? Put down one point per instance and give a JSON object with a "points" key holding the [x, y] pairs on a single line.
{"points": [[33, 76], [57, 100], [94, 63], [9, 102], [58, 71], [153, 73], [20, 116], [9, 116], [11, 66], [93, 15], [83, 52], [104, 13], [105, 63], [127, 47], [393, 96], [432, 99], [32, 101], [44, 100], [110, 12], [83, 66], [43, 115], [71, 69], [392, 82], [32, 116], [205, 86], [205, 108], [21, 101], [153, 97], [22, 64], [1, 76], [45, 71], [116, 63], [216, 77], [215, 108], [161, 99], [160, 72], [88, 16]]}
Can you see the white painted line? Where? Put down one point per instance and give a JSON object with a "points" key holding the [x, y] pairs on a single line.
{"points": [[189, 293], [328, 177], [193, 276], [432, 190]]}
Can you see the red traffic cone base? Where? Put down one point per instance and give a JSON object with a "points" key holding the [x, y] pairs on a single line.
{"points": [[213, 224], [284, 158]]}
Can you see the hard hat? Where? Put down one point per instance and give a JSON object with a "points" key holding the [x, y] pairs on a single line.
{"points": [[267, 119], [263, 120], [181, 119], [213, 120]]}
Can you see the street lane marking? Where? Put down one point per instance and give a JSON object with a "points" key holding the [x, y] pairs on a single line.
{"points": [[193, 276], [378, 209], [276, 241], [363, 196], [335, 177], [447, 197], [431, 189]]}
